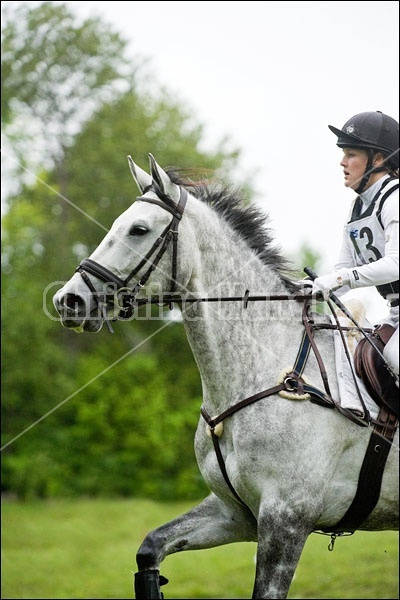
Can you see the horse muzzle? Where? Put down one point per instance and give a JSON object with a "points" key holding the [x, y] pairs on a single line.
{"points": [[77, 309]]}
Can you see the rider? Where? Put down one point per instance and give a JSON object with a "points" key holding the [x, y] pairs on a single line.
{"points": [[369, 254]]}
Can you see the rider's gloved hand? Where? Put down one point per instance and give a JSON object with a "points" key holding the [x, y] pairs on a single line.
{"points": [[330, 282]]}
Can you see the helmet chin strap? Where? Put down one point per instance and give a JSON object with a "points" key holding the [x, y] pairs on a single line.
{"points": [[369, 169]]}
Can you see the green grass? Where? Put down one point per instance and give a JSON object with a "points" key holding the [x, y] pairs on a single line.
{"points": [[86, 549]]}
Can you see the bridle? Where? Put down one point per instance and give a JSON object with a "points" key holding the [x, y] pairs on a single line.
{"points": [[153, 257]]}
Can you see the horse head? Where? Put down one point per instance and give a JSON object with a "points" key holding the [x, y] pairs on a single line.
{"points": [[140, 252]]}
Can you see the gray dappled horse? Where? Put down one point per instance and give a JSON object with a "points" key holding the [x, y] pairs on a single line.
{"points": [[278, 469]]}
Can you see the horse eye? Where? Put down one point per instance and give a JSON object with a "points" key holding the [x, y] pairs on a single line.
{"points": [[138, 230]]}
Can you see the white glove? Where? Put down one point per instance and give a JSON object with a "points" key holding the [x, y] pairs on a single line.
{"points": [[331, 282]]}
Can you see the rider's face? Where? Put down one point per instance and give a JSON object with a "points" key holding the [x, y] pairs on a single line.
{"points": [[354, 162]]}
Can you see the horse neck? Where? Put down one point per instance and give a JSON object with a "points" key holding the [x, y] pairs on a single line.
{"points": [[236, 349]]}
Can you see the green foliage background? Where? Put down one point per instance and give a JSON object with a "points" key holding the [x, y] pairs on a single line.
{"points": [[92, 414], [82, 415]]}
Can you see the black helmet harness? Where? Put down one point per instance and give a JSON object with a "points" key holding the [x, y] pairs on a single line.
{"points": [[369, 169]]}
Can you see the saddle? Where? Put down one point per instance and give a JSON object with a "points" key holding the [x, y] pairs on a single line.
{"points": [[371, 368]]}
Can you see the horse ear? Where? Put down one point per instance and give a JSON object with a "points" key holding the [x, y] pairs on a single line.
{"points": [[142, 179], [163, 181]]}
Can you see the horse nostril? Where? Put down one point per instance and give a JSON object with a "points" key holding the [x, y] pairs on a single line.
{"points": [[72, 302]]}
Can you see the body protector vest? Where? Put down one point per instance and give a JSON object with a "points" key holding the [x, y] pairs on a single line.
{"points": [[366, 232]]}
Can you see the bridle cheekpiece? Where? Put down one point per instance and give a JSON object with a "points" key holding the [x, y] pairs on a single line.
{"points": [[153, 257]]}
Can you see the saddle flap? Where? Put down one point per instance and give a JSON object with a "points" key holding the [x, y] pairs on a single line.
{"points": [[371, 368]]}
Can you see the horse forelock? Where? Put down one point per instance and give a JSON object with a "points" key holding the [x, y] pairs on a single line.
{"points": [[248, 221]]}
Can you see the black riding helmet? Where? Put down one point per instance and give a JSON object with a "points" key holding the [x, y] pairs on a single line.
{"points": [[374, 132]]}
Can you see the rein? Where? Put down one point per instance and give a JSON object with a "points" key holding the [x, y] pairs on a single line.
{"points": [[153, 257], [292, 383]]}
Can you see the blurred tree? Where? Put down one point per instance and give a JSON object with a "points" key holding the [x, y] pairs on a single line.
{"points": [[55, 72], [102, 414], [140, 414]]}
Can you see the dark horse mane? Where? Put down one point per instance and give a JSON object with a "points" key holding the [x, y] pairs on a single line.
{"points": [[247, 220]]}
